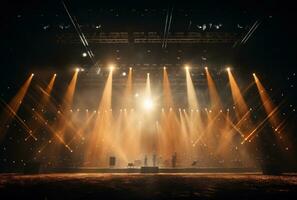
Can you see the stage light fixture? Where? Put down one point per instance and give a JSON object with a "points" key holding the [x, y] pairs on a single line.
{"points": [[164, 68], [228, 69], [84, 54], [55, 75], [205, 68], [77, 69], [124, 74], [32, 74]]}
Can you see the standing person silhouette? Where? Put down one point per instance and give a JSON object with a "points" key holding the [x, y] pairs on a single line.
{"points": [[145, 160], [154, 159], [173, 160]]}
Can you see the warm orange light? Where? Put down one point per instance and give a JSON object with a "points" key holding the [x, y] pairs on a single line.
{"points": [[12, 108], [215, 100], [111, 67], [191, 93]]}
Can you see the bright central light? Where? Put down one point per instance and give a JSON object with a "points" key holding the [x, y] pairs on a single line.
{"points": [[111, 67], [148, 104]]}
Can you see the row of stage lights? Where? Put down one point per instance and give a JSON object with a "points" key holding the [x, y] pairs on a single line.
{"points": [[148, 103], [162, 109], [111, 68]]}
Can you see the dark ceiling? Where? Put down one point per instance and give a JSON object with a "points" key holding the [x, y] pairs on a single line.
{"points": [[38, 34]]}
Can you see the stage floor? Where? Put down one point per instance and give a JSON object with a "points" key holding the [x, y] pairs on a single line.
{"points": [[160, 170], [147, 186]]}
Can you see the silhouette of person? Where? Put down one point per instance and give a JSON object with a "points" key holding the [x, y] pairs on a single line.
{"points": [[145, 160], [154, 159], [173, 160]]}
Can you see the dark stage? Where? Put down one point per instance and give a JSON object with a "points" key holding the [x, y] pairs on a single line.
{"points": [[148, 186]]}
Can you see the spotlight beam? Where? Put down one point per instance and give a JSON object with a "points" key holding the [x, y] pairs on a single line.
{"points": [[100, 134], [13, 106], [128, 91], [266, 102], [52, 130], [260, 124], [20, 121], [191, 93], [209, 125], [213, 93], [41, 104]]}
